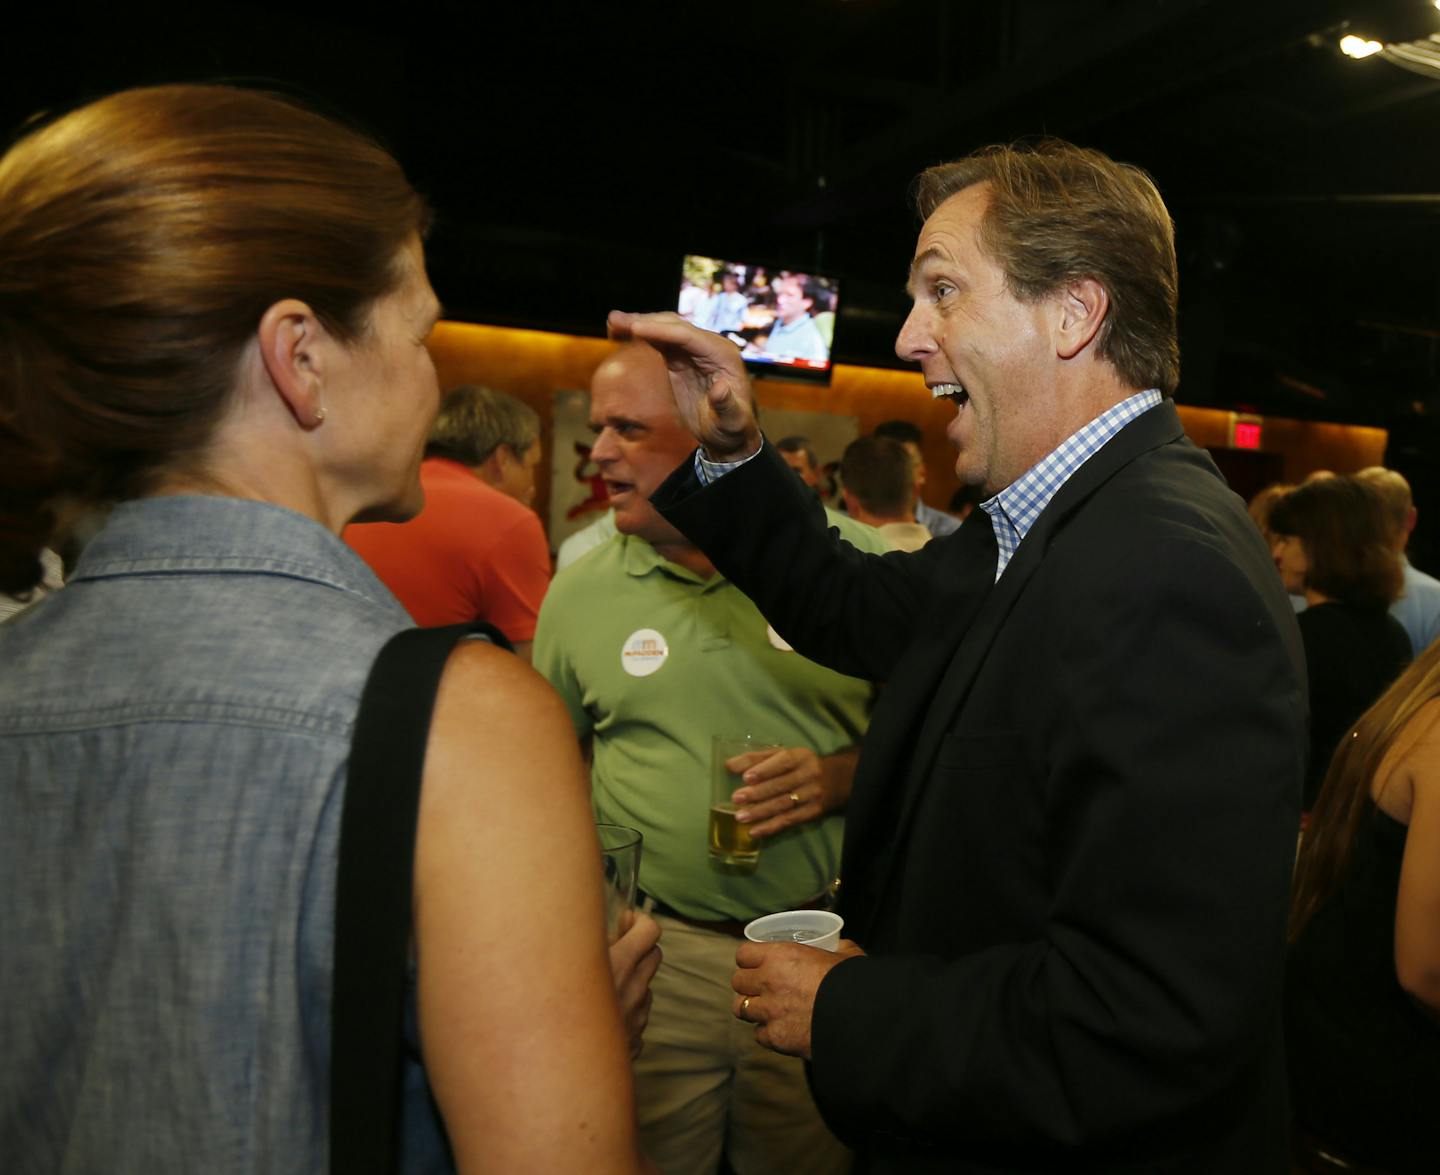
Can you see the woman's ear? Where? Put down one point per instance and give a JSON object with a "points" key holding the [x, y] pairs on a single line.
{"points": [[292, 348], [1083, 306]]}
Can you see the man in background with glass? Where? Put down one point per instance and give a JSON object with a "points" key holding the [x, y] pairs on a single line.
{"points": [[656, 655]]}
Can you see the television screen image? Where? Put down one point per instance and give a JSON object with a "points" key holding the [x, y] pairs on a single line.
{"points": [[782, 319]]}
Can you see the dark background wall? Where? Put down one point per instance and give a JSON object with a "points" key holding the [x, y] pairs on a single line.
{"points": [[575, 151]]}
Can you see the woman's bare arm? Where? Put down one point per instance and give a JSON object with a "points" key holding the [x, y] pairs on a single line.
{"points": [[519, 1022], [1417, 910]]}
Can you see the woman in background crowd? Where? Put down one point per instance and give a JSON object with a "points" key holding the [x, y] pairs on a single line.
{"points": [[1363, 976], [213, 308], [1261, 505], [1328, 538]]}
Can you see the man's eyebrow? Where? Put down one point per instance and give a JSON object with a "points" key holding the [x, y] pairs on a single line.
{"points": [[614, 420], [930, 254]]}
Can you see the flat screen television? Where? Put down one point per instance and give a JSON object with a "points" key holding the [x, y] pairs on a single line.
{"points": [[783, 319]]}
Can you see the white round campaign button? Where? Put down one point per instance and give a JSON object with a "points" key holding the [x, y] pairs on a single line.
{"points": [[643, 652], [777, 641]]}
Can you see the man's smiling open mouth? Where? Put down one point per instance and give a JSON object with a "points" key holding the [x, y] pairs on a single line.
{"points": [[950, 392]]}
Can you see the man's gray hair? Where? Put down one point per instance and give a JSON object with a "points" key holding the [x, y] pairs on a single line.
{"points": [[475, 421], [1394, 493]]}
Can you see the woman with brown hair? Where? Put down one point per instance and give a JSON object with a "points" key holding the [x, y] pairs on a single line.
{"points": [[1328, 539], [1362, 991], [1261, 505], [213, 310]]}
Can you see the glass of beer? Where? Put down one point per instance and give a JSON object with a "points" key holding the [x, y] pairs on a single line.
{"points": [[729, 840]]}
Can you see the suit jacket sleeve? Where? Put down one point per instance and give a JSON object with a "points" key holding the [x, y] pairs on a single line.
{"points": [[766, 532]]}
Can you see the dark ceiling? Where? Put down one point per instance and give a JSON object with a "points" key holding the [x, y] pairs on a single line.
{"points": [[575, 151]]}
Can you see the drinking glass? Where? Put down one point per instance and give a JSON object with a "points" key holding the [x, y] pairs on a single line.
{"points": [[729, 840], [620, 857]]}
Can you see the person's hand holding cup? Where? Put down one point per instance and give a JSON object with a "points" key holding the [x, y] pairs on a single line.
{"points": [[730, 844], [813, 928], [778, 974], [633, 937]]}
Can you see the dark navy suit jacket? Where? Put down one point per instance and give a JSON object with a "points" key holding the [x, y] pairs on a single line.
{"points": [[1069, 844]]}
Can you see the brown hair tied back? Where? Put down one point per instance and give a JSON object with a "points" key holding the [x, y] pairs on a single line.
{"points": [[142, 237]]}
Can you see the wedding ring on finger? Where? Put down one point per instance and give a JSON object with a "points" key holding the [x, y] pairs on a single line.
{"points": [[794, 799], [745, 1007]]}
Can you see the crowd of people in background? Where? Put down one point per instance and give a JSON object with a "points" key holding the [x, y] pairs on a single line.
{"points": [[255, 392], [1363, 972]]}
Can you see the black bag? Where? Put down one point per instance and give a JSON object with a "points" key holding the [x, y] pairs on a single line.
{"points": [[373, 894]]}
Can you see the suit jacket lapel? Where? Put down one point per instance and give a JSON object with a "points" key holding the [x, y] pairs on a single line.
{"points": [[963, 646]]}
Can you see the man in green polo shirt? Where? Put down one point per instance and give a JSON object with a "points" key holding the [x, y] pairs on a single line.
{"points": [[655, 653]]}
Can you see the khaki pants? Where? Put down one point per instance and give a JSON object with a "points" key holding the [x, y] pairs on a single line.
{"points": [[703, 1085]]}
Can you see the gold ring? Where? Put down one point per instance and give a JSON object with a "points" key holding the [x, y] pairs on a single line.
{"points": [[794, 799], [745, 1006]]}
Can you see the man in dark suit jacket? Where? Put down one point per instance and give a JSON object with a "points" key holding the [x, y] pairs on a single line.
{"points": [[1068, 849]]}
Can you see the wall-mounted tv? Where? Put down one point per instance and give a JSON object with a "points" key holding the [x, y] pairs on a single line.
{"points": [[782, 319]]}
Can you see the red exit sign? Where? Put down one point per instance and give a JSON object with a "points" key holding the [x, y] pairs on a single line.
{"points": [[1247, 434]]}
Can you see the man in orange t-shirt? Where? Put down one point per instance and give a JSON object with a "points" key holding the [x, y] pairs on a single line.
{"points": [[477, 550]]}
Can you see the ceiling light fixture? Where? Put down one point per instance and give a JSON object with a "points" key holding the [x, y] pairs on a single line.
{"points": [[1358, 47], [1405, 36]]}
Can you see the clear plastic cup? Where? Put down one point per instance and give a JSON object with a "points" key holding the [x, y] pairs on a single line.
{"points": [[811, 928]]}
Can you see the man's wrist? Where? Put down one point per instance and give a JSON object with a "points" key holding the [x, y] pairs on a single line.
{"points": [[745, 447], [837, 775], [709, 469]]}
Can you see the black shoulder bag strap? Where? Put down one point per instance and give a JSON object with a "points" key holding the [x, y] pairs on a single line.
{"points": [[373, 894]]}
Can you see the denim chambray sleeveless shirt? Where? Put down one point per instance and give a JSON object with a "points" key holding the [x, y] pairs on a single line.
{"points": [[174, 730]]}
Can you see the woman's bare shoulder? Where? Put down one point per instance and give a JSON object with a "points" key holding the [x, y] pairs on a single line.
{"points": [[1410, 772]]}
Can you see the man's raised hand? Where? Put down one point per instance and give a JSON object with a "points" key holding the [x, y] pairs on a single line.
{"points": [[707, 377]]}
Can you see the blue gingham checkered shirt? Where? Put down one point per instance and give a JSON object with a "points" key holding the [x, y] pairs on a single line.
{"points": [[1014, 509], [707, 471]]}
